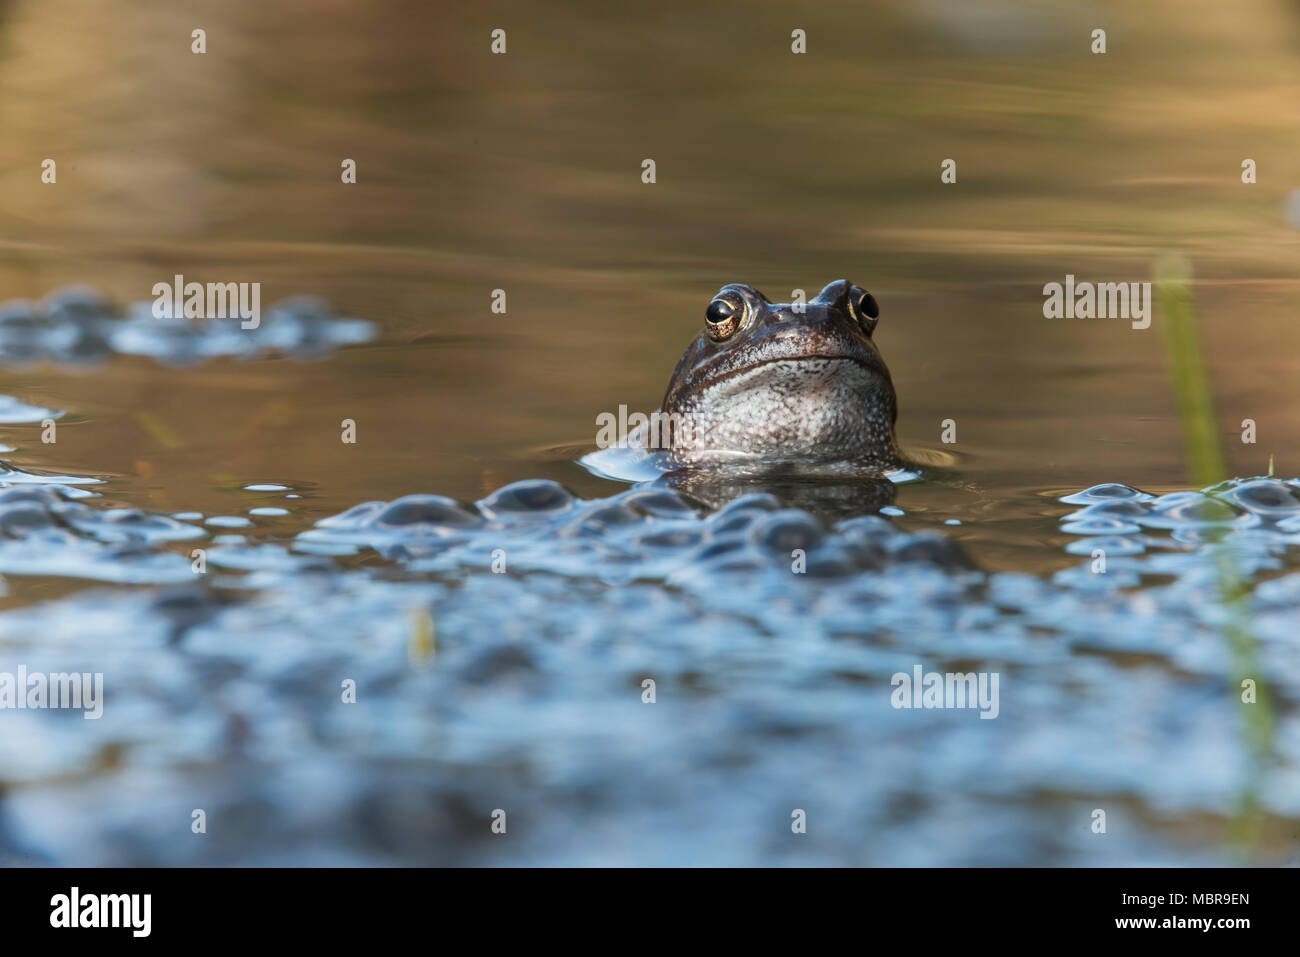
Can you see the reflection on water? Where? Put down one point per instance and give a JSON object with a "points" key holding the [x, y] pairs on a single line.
{"points": [[523, 173]]}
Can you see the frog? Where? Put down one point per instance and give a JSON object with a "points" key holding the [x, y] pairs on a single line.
{"points": [[783, 385]]}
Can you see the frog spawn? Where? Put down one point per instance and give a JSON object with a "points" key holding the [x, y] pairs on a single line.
{"points": [[642, 534], [1143, 534], [77, 326], [51, 530], [773, 691]]}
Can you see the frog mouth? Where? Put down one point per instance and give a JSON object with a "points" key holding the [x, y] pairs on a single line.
{"points": [[868, 370]]}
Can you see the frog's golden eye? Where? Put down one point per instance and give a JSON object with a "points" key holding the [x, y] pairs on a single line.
{"points": [[863, 306], [724, 316], [867, 306]]}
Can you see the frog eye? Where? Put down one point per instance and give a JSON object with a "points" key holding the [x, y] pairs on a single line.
{"points": [[864, 308], [867, 306], [724, 316]]}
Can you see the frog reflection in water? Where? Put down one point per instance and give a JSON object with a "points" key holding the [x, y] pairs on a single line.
{"points": [[789, 398]]}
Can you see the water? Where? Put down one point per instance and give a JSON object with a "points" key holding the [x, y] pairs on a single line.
{"points": [[523, 690]]}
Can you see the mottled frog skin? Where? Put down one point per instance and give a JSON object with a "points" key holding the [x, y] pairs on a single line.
{"points": [[784, 383]]}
